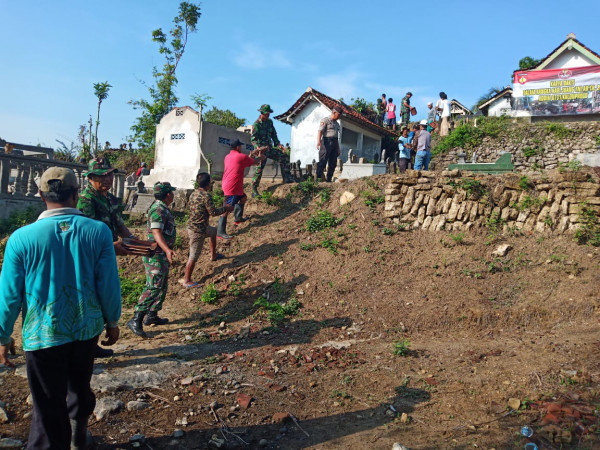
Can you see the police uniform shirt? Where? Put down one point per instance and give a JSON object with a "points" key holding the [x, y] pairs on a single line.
{"points": [[329, 127]]}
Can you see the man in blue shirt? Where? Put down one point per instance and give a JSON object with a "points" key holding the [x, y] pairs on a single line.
{"points": [[61, 272]]}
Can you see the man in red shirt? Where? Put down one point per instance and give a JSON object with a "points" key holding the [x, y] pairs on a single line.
{"points": [[233, 184]]}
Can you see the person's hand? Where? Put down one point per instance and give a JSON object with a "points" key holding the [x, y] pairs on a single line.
{"points": [[112, 336], [5, 350], [170, 254], [120, 250], [318, 146]]}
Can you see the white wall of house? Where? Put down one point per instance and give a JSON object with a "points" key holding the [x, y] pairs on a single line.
{"points": [[569, 59], [362, 142], [500, 107], [304, 133]]}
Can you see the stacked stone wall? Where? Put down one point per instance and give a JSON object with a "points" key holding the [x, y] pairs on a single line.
{"points": [[451, 200], [533, 146]]}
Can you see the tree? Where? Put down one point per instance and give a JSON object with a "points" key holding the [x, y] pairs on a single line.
{"points": [[162, 94], [223, 117], [485, 97], [365, 108], [528, 63], [100, 91]]}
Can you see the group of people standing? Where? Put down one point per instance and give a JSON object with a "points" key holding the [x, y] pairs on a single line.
{"points": [[387, 111]]}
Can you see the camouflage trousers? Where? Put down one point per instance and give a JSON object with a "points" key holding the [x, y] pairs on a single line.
{"points": [[276, 155], [157, 277]]}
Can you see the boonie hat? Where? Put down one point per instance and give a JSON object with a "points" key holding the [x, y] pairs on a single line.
{"points": [[264, 109], [162, 188], [236, 143], [99, 166], [423, 122], [68, 179]]}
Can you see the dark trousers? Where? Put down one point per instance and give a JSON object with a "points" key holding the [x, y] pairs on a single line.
{"points": [[59, 380], [328, 155]]}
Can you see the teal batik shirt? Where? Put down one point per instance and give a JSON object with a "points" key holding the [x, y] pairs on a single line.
{"points": [[61, 272]]}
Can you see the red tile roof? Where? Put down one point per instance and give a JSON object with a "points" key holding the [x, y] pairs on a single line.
{"points": [[347, 112]]}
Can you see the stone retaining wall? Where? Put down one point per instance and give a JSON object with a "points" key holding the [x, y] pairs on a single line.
{"points": [[535, 146], [451, 200]]}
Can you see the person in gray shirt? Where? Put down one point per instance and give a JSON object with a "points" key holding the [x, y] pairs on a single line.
{"points": [[423, 148], [328, 144]]}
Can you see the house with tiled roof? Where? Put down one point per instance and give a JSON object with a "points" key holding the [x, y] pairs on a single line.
{"points": [[358, 133], [564, 83], [498, 105]]}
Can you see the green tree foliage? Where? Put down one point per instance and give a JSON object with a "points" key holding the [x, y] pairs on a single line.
{"points": [[162, 94], [367, 109], [100, 91], [528, 62], [223, 117]]}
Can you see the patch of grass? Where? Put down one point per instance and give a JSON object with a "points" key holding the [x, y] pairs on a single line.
{"points": [[589, 226], [459, 238], [524, 184], [372, 198], [494, 224], [401, 348], [218, 197], [268, 198], [340, 394], [278, 313], [473, 188], [307, 188], [307, 247], [322, 220], [388, 231], [572, 166], [18, 219], [324, 196], [528, 152], [330, 244], [210, 294], [558, 130], [235, 288], [131, 288]]}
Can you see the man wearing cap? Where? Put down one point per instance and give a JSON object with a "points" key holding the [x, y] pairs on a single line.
{"points": [[97, 203], [405, 110], [61, 271], [423, 147], [431, 123], [264, 137], [161, 229], [233, 184], [328, 143], [201, 207]]}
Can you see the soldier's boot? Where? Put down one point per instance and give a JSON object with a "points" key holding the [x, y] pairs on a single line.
{"points": [[136, 324], [153, 319], [81, 438], [222, 228], [238, 213]]}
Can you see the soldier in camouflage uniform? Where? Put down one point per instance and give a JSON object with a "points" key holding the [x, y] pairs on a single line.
{"points": [[263, 133], [201, 207], [97, 203], [161, 228]]}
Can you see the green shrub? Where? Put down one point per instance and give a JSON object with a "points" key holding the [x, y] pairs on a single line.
{"points": [[464, 136], [131, 288], [524, 184], [322, 220], [307, 188], [401, 348], [218, 197], [210, 294], [559, 130], [19, 219], [278, 313], [268, 198], [473, 188], [589, 228]]}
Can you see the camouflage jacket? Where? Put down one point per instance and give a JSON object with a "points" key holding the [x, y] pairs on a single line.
{"points": [[263, 133], [159, 216], [103, 208], [201, 208]]}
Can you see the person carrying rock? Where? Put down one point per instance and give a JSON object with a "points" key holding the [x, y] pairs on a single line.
{"points": [[162, 230], [201, 207], [264, 137], [62, 272], [328, 144]]}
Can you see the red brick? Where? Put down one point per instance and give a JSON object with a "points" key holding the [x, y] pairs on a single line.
{"points": [[244, 400], [280, 417], [550, 418]]}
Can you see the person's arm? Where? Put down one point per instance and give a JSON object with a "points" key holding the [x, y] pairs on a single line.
{"points": [[12, 289], [276, 142], [319, 137], [210, 207], [158, 236], [108, 286]]}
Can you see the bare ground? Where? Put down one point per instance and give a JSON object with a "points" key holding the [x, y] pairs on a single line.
{"points": [[479, 330]]}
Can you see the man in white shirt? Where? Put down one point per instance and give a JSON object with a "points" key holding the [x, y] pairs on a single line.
{"points": [[443, 108]]}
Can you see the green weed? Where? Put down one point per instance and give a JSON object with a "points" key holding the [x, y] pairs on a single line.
{"points": [[589, 226], [131, 288], [210, 294], [401, 348], [268, 198], [278, 313], [322, 220]]}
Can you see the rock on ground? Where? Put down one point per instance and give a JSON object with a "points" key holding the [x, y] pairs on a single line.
{"points": [[107, 405]]}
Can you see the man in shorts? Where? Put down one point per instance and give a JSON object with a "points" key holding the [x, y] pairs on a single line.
{"points": [[201, 207]]}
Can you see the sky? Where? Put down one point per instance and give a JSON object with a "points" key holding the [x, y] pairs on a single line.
{"points": [[247, 53]]}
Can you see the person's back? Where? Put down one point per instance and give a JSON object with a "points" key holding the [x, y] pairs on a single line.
{"points": [[43, 262]]}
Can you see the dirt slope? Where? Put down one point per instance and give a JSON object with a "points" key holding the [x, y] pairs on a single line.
{"points": [[478, 330]]}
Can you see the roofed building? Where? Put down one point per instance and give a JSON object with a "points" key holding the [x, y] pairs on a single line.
{"points": [[498, 105], [358, 133]]}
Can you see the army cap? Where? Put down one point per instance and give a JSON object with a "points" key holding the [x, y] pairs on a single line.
{"points": [[68, 179], [162, 187], [99, 166], [264, 109]]}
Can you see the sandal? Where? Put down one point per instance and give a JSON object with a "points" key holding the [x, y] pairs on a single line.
{"points": [[218, 257]]}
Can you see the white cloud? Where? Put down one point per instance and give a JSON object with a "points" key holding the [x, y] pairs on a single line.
{"points": [[253, 56], [340, 85]]}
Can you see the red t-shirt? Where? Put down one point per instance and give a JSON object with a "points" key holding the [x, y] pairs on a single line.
{"points": [[233, 176]]}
